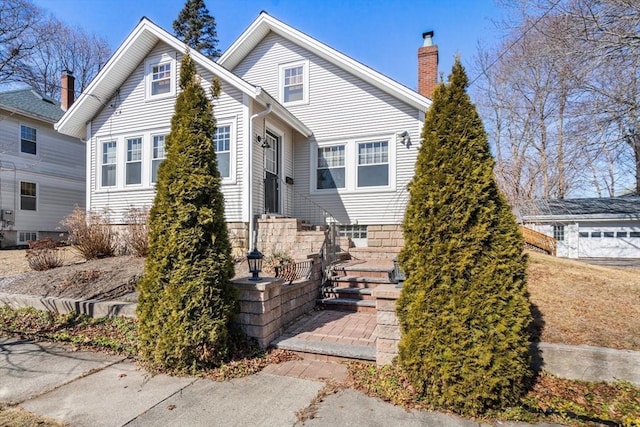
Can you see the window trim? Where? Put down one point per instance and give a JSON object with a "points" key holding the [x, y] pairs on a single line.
{"points": [[101, 164], [35, 197], [155, 62], [316, 168], [22, 241], [358, 165], [305, 81], [35, 142], [153, 135], [127, 161], [233, 145], [351, 165]]}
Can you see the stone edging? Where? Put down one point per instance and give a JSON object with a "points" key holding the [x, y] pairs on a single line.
{"points": [[93, 308]]}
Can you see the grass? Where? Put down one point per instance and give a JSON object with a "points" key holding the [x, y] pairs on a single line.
{"points": [[585, 304], [551, 400], [18, 417]]}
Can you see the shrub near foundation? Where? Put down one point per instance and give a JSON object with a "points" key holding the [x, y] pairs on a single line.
{"points": [[463, 310], [187, 301], [90, 234]]}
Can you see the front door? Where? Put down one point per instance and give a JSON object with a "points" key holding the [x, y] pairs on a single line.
{"points": [[272, 174]]}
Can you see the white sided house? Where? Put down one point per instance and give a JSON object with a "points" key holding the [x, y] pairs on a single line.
{"points": [[303, 131], [590, 227], [42, 171]]}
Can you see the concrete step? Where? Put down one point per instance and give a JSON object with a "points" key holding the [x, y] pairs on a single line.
{"points": [[348, 304], [348, 293], [353, 268], [347, 351]]}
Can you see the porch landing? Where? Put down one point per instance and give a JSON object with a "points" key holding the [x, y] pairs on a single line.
{"points": [[332, 334]]}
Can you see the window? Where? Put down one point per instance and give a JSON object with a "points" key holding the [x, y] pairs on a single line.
{"points": [[583, 234], [331, 167], [596, 234], [621, 234], [28, 196], [160, 79], [28, 140], [108, 164], [157, 156], [294, 83], [133, 168], [608, 234], [558, 232], [634, 234], [373, 164], [222, 147], [27, 236], [353, 231]]}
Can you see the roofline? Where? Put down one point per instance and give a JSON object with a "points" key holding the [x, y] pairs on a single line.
{"points": [[87, 100], [229, 59], [28, 114], [281, 111], [574, 218]]}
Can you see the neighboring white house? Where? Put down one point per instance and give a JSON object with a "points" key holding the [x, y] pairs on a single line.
{"points": [[589, 228], [322, 133], [42, 172]]}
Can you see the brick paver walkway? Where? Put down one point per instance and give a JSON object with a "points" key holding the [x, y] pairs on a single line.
{"points": [[336, 326]]}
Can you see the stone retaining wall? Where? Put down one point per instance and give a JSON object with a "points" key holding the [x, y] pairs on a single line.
{"points": [[268, 306]]}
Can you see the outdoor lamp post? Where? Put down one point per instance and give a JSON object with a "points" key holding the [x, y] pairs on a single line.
{"points": [[254, 258]]}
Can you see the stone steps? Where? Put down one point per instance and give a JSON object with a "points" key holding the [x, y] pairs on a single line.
{"points": [[334, 349]]}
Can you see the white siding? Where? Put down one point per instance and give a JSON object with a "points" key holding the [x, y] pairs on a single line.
{"points": [[129, 113], [58, 170], [341, 107]]}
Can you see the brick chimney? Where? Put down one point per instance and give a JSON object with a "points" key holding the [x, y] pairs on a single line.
{"points": [[68, 89], [427, 65]]}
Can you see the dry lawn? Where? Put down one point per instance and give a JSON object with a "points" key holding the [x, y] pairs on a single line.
{"points": [[586, 304]]}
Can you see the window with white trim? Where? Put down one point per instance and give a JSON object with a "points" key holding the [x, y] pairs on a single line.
{"points": [[160, 76], [331, 167], [294, 83], [28, 196], [109, 165], [25, 237], [133, 167], [157, 156], [28, 142], [558, 232], [373, 164], [222, 147]]}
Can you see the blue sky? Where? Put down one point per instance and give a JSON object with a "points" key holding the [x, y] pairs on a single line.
{"points": [[384, 35]]}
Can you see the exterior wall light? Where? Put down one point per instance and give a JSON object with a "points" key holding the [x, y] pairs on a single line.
{"points": [[254, 258]]}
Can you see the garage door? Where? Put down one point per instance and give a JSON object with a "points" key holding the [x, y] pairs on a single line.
{"points": [[609, 244]]}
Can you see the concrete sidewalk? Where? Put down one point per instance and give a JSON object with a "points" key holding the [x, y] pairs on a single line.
{"points": [[94, 389]]}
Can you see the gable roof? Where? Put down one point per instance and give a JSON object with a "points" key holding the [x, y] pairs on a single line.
{"points": [[124, 61], [266, 23], [30, 103], [586, 208]]}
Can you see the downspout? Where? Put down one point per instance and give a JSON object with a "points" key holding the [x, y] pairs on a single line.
{"points": [[253, 235]]}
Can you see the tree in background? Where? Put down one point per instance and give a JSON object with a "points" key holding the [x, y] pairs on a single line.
{"points": [[463, 309], [35, 48], [197, 28], [187, 300], [561, 98]]}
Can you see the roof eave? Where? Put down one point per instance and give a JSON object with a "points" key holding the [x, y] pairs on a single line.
{"points": [[286, 115], [27, 114]]}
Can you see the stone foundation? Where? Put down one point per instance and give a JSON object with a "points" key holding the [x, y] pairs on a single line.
{"points": [[388, 236]]}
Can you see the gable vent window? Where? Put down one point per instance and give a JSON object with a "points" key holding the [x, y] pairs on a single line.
{"points": [[294, 83], [28, 140]]}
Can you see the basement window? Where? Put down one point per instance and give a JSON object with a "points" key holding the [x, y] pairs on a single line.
{"points": [[25, 237], [558, 233]]}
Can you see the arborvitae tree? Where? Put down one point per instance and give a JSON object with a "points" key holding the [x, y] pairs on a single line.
{"points": [[187, 301], [464, 309], [197, 28]]}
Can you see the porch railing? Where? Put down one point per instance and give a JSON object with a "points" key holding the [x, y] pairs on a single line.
{"points": [[539, 241], [294, 270]]}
